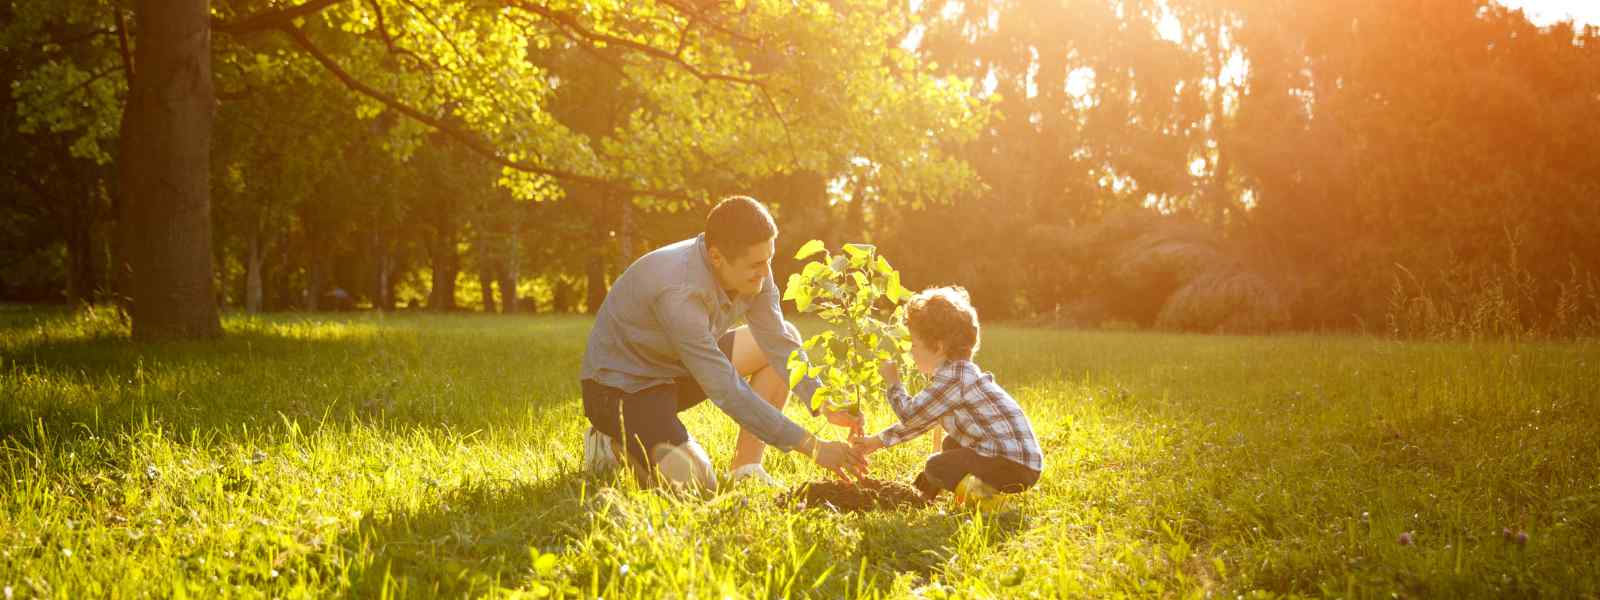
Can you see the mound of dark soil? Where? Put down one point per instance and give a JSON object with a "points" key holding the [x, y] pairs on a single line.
{"points": [[848, 496]]}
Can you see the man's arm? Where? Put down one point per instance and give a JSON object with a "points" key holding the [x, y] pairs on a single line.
{"points": [[688, 325], [924, 411], [766, 325]]}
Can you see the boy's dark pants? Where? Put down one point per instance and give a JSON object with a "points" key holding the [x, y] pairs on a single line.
{"points": [[948, 468]]}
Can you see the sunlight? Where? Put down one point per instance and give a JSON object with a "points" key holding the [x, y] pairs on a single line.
{"points": [[1080, 82], [1169, 27], [1548, 12]]}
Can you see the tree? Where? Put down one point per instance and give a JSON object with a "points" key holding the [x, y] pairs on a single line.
{"points": [[165, 166]]}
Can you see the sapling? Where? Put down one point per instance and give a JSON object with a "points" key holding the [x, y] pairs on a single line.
{"points": [[860, 296]]}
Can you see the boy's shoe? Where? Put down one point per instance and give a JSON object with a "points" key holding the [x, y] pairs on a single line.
{"points": [[599, 456], [756, 472], [974, 493]]}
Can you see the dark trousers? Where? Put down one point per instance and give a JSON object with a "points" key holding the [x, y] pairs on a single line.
{"points": [[946, 469], [647, 419]]}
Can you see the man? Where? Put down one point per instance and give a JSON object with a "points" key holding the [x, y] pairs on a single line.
{"points": [[663, 340]]}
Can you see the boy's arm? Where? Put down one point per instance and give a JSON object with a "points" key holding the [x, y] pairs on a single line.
{"points": [[924, 411]]}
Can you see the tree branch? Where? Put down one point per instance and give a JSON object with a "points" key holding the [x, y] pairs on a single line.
{"points": [[578, 33], [267, 20], [700, 15], [468, 139], [122, 44], [389, 41], [80, 86]]}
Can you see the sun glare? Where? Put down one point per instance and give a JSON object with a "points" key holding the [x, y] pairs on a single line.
{"points": [[1548, 12]]}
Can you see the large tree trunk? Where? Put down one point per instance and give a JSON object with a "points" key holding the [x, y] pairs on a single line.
{"points": [[166, 172]]}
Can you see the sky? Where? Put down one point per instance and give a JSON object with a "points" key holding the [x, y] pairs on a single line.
{"points": [[1545, 12]]}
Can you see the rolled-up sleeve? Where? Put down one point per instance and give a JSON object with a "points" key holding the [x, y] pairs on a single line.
{"points": [[766, 325], [688, 325], [924, 411]]}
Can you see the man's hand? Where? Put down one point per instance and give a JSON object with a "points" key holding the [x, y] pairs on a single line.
{"points": [[836, 457], [889, 371], [848, 419]]}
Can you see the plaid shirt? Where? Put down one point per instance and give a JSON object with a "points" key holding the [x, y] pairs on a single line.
{"points": [[974, 410]]}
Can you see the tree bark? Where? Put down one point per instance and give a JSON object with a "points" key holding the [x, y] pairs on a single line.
{"points": [[486, 281], [508, 276], [625, 232], [252, 271], [446, 263], [166, 172], [595, 268]]}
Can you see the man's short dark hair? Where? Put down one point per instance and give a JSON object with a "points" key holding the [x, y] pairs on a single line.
{"points": [[737, 223]]}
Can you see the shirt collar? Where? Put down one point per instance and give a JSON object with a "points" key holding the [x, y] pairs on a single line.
{"points": [[710, 275]]}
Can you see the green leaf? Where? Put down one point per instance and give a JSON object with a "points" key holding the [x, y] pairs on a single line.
{"points": [[810, 248], [883, 266], [861, 280], [802, 301], [897, 293], [795, 375], [861, 251], [793, 287]]}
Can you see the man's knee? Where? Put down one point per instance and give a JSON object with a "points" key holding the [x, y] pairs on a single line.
{"points": [[685, 465]]}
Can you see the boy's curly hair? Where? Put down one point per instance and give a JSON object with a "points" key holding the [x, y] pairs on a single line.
{"points": [[944, 316]]}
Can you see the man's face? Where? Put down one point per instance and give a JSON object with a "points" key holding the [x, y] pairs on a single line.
{"points": [[743, 274]]}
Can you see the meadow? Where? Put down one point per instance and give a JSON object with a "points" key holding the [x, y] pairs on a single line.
{"points": [[411, 455]]}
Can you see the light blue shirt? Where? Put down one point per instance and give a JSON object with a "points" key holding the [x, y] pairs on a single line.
{"points": [[661, 321]]}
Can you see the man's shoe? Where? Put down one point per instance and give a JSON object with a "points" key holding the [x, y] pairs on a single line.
{"points": [[755, 472], [598, 453]]}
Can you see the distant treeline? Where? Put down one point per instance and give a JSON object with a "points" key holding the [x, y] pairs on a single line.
{"points": [[1412, 168]]}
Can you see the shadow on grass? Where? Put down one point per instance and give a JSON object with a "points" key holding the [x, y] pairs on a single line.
{"points": [[81, 379], [469, 540]]}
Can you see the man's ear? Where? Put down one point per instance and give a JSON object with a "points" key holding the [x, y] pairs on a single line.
{"points": [[715, 254]]}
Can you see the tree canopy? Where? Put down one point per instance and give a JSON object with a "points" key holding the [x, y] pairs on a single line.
{"points": [[1197, 164]]}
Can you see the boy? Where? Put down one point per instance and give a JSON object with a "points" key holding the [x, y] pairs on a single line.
{"points": [[989, 447]]}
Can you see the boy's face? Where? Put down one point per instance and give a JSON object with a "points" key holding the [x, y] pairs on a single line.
{"points": [[928, 356], [745, 273]]}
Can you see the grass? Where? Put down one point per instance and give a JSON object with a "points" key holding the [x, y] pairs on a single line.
{"points": [[422, 456]]}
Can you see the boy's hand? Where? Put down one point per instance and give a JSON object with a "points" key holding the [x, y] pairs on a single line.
{"points": [[889, 371], [866, 445]]}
